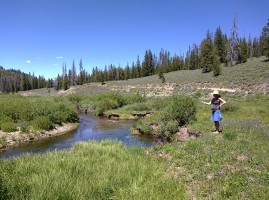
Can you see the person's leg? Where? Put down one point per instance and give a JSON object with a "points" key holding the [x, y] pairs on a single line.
{"points": [[217, 125]]}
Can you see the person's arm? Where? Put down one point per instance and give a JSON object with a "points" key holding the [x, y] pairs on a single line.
{"points": [[207, 103], [222, 102]]}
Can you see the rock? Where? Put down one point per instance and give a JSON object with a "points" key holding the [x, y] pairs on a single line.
{"points": [[182, 134], [153, 125]]}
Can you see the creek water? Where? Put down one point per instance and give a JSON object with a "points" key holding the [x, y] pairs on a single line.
{"points": [[90, 128]]}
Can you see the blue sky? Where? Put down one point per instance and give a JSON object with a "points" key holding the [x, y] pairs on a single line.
{"points": [[39, 35]]}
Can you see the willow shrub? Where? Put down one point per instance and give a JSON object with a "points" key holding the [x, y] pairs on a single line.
{"points": [[19, 109], [110, 101], [177, 108], [9, 127], [175, 111], [42, 123]]}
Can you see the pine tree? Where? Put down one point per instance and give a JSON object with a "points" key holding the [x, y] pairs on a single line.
{"points": [[250, 47], [194, 58], [64, 78], [219, 45], [147, 64], [216, 63], [73, 75], [81, 77], [127, 72], [133, 71], [256, 48], [265, 40], [105, 74], [244, 51], [187, 59], [138, 67], [207, 57]]}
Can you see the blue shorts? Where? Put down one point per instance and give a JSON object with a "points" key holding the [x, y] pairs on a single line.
{"points": [[216, 116]]}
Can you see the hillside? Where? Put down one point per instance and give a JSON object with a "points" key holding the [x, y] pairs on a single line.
{"points": [[249, 77]]}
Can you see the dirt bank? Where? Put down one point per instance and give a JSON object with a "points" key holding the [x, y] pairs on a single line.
{"points": [[8, 140]]}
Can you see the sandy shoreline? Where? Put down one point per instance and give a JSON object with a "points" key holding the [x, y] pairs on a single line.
{"points": [[9, 140]]}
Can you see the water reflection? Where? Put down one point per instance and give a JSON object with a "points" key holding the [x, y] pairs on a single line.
{"points": [[90, 128]]}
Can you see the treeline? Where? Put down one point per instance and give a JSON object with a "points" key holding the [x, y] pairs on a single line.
{"points": [[14, 80], [214, 49]]}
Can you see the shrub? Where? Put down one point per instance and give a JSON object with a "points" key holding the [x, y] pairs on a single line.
{"points": [[169, 128], [121, 101], [9, 127], [26, 109], [131, 99], [75, 98], [24, 127], [106, 104], [159, 103], [4, 120], [42, 123], [72, 116], [178, 108], [139, 107], [58, 117]]}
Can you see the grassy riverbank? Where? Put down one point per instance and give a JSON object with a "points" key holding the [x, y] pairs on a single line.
{"points": [[105, 170], [24, 119]]}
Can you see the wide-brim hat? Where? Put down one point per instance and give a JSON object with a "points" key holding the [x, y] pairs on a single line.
{"points": [[215, 92]]}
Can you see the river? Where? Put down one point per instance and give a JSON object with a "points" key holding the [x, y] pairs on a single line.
{"points": [[90, 128]]}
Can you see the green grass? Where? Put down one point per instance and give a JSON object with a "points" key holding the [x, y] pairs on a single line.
{"points": [[92, 170]]}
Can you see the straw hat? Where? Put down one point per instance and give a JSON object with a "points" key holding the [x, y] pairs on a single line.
{"points": [[215, 92]]}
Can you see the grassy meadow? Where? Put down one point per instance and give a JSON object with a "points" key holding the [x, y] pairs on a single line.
{"points": [[92, 170], [231, 165]]}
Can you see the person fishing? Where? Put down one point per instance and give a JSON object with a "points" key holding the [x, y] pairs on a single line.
{"points": [[216, 104]]}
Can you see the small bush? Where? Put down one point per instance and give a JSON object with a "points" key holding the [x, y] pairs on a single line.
{"points": [[169, 128], [9, 127], [178, 108], [75, 98], [121, 101], [4, 120], [106, 104], [42, 123], [72, 116], [24, 127]]}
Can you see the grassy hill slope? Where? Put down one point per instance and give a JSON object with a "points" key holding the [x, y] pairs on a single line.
{"points": [[250, 77]]}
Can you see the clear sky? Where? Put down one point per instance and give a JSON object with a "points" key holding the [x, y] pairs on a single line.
{"points": [[39, 35]]}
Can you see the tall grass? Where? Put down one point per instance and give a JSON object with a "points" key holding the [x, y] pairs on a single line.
{"points": [[92, 170]]}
